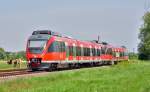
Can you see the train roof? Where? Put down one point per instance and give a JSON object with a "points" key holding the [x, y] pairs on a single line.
{"points": [[40, 37], [46, 32]]}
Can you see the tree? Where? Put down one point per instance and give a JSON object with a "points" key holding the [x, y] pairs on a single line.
{"points": [[2, 54], [144, 36], [21, 54], [16, 55], [133, 55]]}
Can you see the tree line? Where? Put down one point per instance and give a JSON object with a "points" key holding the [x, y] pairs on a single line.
{"points": [[4, 55], [144, 36]]}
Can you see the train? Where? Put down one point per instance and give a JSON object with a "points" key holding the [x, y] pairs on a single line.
{"points": [[50, 50]]}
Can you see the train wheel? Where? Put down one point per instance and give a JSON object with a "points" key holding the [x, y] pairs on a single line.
{"points": [[115, 62], [52, 67], [70, 66], [112, 62], [77, 65], [34, 69]]}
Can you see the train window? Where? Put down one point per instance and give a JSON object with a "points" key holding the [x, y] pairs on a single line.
{"points": [[103, 50], [78, 51], [88, 51], [93, 51], [109, 51], [117, 54], [57, 47], [82, 51], [54, 47], [74, 51], [125, 53], [121, 54], [114, 54], [62, 47], [67, 51], [98, 52], [70, 50]]}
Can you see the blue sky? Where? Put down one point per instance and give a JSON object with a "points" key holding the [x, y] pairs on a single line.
{"points": [[116, 21]]}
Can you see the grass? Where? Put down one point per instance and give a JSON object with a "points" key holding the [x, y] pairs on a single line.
{"points": [[4, 65], [125, 77]]}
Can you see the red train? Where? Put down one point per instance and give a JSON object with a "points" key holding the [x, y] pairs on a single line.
{"points": [[50, 50]]}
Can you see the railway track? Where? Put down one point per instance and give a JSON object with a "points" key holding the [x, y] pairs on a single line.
{"points": [[11, 70], [15, 72]]}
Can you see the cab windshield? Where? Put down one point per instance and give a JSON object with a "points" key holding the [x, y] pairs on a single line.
{"points": [[37, 46], [37, 43]]}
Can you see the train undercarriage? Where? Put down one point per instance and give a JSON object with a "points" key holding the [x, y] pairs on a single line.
{"points": [[67, 65]]}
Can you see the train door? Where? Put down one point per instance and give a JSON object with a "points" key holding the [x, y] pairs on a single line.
{"points": [[109, 53], [117, 55], [82, 52], [70, 52], [67, 51], [91, 53], [62, 51], [74, 51], [78, 53]]}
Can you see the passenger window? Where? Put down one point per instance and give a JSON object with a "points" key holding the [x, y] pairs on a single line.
{"points": [[94, 51], [54, 47], [62, 46], [78, 51], [109, 51], [70, 50], [88, 51], [74, 51], [57, 47], [98, 52], [84, 51], [103, 50]]}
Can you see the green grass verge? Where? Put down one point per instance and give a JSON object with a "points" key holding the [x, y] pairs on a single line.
{"points": [[4, 65], [124, 77]]}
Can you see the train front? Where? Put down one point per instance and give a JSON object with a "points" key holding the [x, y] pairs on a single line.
{"points": [[36, 49]]}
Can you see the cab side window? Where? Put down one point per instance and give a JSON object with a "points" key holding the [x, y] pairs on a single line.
{"points": [[57, 47]]}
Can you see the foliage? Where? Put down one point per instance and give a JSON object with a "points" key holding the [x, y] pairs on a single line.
{"points": [[11, 55], [144, 36], [133, 55], [2, 54], [21, 54]]}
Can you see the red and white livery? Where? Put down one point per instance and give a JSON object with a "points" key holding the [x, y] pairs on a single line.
{"points": [[48, 50]]}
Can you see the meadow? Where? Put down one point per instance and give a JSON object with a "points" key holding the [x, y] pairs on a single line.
{"points": [[4, 65], [133, 76]]}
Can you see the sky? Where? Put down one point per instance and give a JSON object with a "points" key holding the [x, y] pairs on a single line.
{"points": [[116, 21]]}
